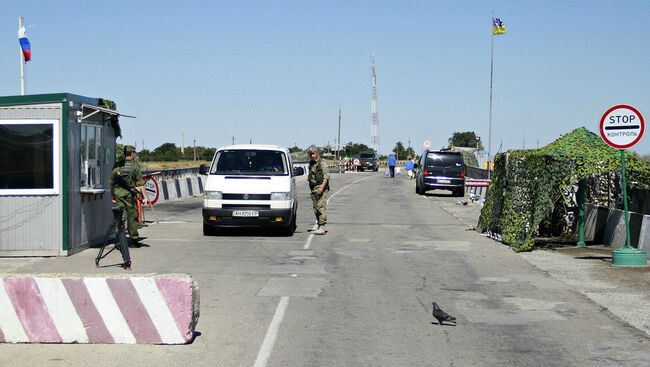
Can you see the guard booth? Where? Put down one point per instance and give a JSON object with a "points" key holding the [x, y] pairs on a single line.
{"points": [[56, 155]]}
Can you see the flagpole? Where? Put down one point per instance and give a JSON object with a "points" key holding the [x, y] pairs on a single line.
{"points": [[490, 120], [22, 62], [338, 139]]}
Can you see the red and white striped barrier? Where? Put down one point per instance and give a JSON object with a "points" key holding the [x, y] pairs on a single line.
{"points": [[476, 182], [125, 310]]}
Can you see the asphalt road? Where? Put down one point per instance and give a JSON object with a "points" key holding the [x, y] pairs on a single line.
{"points": [[359, 296]]}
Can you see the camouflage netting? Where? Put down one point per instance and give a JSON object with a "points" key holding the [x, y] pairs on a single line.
{"points": [[532, 191]]}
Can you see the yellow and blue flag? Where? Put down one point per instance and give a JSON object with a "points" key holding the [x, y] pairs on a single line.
{"points": [[498, 27]]}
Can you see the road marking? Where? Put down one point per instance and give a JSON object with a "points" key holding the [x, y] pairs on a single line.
{"points": [[345, 187], [272, 333], [311, 236]]}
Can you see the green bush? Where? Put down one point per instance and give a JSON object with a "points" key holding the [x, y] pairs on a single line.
{"points": [[529, 186]]}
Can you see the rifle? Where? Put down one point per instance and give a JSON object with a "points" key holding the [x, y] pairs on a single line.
{"points": [[123, 184]]}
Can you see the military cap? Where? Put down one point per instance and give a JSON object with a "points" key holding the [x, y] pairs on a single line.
{"points": [[128, 149]]}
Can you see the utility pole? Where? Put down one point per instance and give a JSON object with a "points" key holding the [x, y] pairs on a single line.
{"points": [[182, 145], [195, 149], [374, 127], [338, 140], [233, 140]]}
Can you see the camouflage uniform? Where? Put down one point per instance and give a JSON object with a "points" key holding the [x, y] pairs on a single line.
{"points": [[317, 173], [131, 177]]}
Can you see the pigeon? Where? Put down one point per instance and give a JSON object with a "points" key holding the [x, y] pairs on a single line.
{"points": [[441, 315]]}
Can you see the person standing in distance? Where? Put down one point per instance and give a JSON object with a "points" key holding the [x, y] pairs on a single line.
{"points": [[127, 186], [409, 167], [318, 179], [391, 165]]}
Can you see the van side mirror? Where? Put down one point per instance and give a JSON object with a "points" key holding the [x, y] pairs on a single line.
{"points": [[298, 171], [203, 169]]}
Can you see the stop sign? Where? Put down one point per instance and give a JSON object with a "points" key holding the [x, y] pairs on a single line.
{"points": [[622, 126], [151, 188]]}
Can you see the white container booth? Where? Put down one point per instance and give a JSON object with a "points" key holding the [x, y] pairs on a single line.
{"points": [[56, 155]]}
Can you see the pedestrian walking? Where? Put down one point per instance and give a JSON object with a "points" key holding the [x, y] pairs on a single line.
{"points": [[409, 167], [318, 179], [127, 187], [391, 165]]}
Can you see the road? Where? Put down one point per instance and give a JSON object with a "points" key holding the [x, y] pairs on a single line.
{"points": [[359, 296]]}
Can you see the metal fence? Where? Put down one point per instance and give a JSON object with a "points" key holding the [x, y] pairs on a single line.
{"points": [[474, 172]]}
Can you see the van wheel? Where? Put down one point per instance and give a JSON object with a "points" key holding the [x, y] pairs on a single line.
{"points": [[419, 190], [209, 230], [288, 230]]}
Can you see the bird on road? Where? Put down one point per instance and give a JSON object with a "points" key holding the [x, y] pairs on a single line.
{"points": [[441, 315]]}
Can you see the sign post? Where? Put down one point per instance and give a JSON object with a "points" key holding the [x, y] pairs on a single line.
{"points": [[622, 127]]}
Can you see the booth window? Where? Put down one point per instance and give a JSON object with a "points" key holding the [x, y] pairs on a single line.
{"points": [[91, 146], [29, 157]]}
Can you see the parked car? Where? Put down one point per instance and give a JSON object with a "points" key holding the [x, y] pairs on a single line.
{"points": [[250, 186], [368, 161], [440, 169]]}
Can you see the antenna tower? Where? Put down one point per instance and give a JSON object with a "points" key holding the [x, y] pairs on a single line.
{"points": [[374, 127]]}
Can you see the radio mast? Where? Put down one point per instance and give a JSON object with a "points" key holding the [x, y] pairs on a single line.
{"points": [[374, 127]]}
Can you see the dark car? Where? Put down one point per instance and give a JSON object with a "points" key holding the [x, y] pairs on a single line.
{"points": [[368, 161], [443, 170]]}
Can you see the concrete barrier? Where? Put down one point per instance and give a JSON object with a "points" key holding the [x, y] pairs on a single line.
{"points": [[607, 226], [151, 309]]}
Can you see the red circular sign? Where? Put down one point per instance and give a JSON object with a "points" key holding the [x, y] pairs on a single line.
{"points": [[622, 126], [151, 188]]}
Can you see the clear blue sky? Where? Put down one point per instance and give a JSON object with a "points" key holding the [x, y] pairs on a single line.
{"points": [[276, 71]]}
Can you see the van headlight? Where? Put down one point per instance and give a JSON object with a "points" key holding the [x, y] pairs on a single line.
{"points": [[212, 195], [279, 196]]}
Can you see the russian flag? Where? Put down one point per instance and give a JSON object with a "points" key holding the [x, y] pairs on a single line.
{"points": [[24, 44]]}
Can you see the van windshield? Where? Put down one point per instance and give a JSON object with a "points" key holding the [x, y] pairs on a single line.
{"points": [[250, 162], [366, 155]]}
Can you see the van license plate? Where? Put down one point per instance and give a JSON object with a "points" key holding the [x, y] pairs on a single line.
{"points": [[444, 181], [245, 213]]}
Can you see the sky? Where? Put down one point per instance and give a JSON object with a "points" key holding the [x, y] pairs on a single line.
{"points": [[276, 72]]}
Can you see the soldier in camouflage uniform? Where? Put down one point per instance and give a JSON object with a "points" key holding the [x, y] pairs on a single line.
{"points": [[127, 186], [319, 185]]}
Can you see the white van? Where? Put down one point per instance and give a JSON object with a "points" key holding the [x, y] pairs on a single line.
{"points": [[250, 186]]}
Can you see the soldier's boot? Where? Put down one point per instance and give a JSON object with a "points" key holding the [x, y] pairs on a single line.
{"points": [[135, 242], [320, 231]]}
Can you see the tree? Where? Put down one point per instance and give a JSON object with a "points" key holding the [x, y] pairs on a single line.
{"points": [[467, 139], [399, 150], [166, 153], [646, 158], [351, 148], [295, 149]]}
